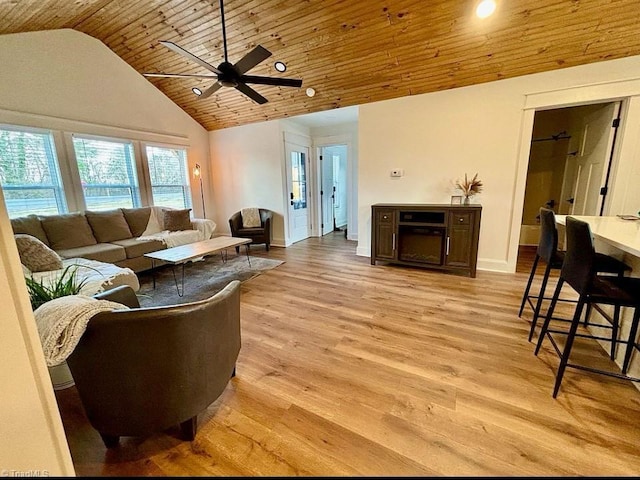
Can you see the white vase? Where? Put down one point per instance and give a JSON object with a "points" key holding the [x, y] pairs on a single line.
{"points": [[61, 376]]}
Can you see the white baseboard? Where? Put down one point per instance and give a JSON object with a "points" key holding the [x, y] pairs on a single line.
{"points": [[363, 252], [494, 266]]}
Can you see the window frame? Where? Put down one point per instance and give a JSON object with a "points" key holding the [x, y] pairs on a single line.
{"points": [[61, 141], [53, 160], [137, 196], [147, 171]]}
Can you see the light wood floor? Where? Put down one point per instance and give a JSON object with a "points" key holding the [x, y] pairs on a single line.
{"points": [[353, 369]]}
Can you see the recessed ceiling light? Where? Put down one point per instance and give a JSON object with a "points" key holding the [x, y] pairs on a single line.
{"points": [[197, 91], [280, 66], [310, 92], [485, 8]]}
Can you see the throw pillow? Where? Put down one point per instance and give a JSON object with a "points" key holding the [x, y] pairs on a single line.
{"points": [[35, 255], [176, 220], [250, 217], [30, 225], [137, 218], [108, 226], [68, 231]]}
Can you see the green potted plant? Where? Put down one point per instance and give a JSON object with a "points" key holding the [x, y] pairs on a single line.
{"points": [[65, 284]]}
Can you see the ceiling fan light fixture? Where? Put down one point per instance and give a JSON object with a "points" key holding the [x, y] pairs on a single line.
{"points": [[485, 8], [280, 66], [228, 74]]}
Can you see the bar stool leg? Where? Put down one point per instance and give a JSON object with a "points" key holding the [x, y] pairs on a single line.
{"points": [[631, 341], [614, 330], [526, 290], [552, 307], [536, 313], [568, 345], [587, 315]]}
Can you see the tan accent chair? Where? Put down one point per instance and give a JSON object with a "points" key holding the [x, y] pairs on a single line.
{"points": [[143, 370], [261, 234]]}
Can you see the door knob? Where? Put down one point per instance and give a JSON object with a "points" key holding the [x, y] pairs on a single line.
{"points": [[571, 200]]}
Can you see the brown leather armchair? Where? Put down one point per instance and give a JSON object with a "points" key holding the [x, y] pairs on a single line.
{"points": [[143, 370], [260, 234]]}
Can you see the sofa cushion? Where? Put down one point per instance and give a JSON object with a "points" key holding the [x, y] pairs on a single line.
{"points": [[177, 220], [137, 218], [35, 255], [136, 248], [109, 225], [30, 225], [102, 252], [68, 231]]}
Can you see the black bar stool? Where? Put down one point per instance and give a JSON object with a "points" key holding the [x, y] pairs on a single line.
{"points": [[579, 271], [553, 258]]}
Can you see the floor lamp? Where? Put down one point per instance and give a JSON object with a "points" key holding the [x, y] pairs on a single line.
{"points": [[197, 173]]}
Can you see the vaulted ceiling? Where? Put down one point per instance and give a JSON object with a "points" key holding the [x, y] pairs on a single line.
{"points": [[350, 51]]}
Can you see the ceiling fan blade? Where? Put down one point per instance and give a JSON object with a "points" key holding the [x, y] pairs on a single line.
{"points": [[251, 93], [210, 91], [177, 75], [251, 59], [190, 56], [282, 82]]}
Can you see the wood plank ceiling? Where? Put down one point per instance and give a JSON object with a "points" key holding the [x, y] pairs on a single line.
{"points": [[351, 52]]}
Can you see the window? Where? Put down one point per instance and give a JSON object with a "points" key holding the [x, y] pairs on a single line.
{"points": [[299, 181], [107, 173], [169, 177], [29, 173]]}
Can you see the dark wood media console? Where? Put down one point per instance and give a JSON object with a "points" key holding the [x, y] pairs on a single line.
{"points": [[433, 236]]}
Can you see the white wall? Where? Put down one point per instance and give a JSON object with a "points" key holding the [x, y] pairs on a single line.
{"points": [[438, 137], [31, 433], [247, 163], [67, 81]]}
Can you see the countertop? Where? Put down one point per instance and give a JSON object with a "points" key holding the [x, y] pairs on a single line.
{"points": [[620, 233]]}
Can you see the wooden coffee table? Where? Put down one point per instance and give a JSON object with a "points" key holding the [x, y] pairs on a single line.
{"points": [[182, 254]]}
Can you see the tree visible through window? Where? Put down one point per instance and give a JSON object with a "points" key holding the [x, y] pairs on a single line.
{"points": [[107, 173], [29, 173], [169, 176]]}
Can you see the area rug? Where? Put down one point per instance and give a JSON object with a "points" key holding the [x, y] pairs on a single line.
{"points": [[201, 279]]}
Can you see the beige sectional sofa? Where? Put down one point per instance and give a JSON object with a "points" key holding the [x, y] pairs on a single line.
{"points": [[109, 236]]}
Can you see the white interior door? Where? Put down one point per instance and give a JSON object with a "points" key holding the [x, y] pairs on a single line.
{"points": [[326, 161], [340, 186], [297, 176], [593, 159]]}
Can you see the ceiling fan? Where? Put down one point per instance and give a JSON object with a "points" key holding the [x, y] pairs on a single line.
{"points": [[229, 75]]}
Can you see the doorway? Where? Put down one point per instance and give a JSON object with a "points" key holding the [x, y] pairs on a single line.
{"points": [[297, 167], [569, 163], [333, 191]]}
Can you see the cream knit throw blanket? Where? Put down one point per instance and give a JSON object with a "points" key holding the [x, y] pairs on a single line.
{"points": [[62, 321], [250, 217]]}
